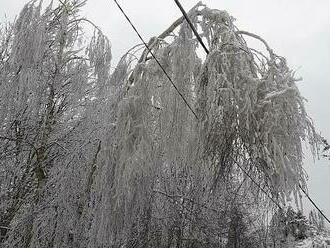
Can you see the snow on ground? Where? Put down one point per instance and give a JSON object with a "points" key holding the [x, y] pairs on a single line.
{"points": [[314, 242]]}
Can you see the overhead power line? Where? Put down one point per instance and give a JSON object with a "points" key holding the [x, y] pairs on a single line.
{"points": [[259, 186], [157, 61], [314, 204], [191, 26]]}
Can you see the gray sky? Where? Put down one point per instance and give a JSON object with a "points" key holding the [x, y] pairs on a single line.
{"points": [[297, 29]]}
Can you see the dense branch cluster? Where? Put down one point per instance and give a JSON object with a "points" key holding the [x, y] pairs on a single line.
{"points": [[93, 159]]}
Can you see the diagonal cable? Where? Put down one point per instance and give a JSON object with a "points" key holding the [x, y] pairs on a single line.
{"points": [[153, 55], [258, 185], [314, 204], [192, 26]]}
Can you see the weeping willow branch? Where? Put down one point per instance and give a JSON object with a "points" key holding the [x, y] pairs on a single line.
{"points": [[271, 53]]}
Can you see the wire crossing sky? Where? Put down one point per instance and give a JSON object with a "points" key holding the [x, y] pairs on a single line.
{"points": [[153, 55]]}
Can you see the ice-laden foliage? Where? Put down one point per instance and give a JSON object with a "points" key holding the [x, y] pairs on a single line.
{"points": [[168, 178], [251, 111], [50, 92], [126, 163]]}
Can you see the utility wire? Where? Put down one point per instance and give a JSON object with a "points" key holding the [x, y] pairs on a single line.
{"points": [[259, 186], [191, 26], [245, 172], [153, 55], [314, 204]]}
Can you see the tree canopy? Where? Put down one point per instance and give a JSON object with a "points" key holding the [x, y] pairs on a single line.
{"points": [[97, 158]]}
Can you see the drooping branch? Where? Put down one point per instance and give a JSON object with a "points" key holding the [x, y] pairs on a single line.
{"points": [[270, 51]]}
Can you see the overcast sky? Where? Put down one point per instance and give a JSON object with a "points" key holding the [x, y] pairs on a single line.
{"points": [[297, 29]]}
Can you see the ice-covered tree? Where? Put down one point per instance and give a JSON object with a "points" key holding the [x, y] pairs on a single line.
{"points": [[51, 87], [167, 168], [98, 160]]}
